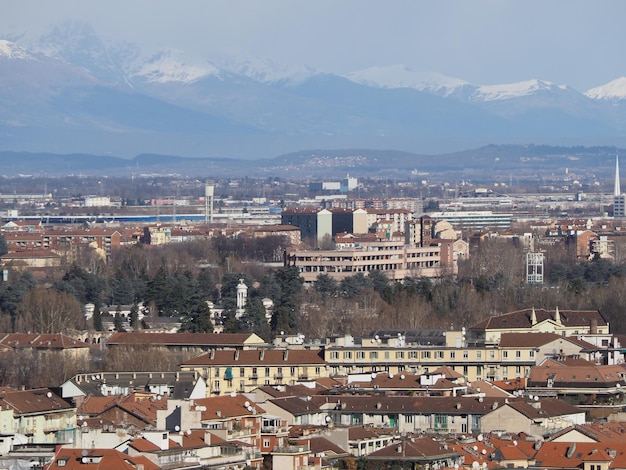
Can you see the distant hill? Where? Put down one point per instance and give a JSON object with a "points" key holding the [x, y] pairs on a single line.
{"points": [[481, 164]]}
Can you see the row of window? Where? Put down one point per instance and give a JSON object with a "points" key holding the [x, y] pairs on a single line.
{"points": [[424, 354], [228, 373]]}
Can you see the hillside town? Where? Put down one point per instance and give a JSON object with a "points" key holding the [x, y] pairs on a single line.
{"points": [[306, 358]]}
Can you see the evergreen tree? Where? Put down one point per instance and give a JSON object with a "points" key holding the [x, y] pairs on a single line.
{"points": [[134, 316], [97, 317], [118, 324], [254, 320], [198, 319]]}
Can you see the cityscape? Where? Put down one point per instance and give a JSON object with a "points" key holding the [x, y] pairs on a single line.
{"points": [[312, 235]]}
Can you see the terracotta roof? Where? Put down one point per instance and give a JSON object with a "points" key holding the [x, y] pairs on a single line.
{"points": [[226, 406], [40, 341], [198, 339], [321, 444], [257, 357], [586, 375], [423, 449], [489, 389], [97, 459], [39, 400], [143, 445], [548, 407], [521, 319], [572, 455], [527, 340]]}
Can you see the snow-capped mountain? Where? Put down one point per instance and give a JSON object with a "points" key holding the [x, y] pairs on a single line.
{"points": [[126, 101], [10, 50], [614, 90], [170, 66], [263, 70], [400, 76], [516, 90]]}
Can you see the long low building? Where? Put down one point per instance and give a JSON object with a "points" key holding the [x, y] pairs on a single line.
{"points": [[394, 258]]}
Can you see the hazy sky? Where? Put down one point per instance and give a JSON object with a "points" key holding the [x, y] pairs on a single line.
{"points": [[579, 43]]}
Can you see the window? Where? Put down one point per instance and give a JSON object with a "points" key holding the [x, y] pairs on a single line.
{"points": [[531, 353], [452, 354], [412, 354], [347, 354], [292, 371], [479, 354], [505, 354], [438, 354], [373, 354], [216, 385], [360, 354], [386, 354], [465, 354], [217, 372], [334, 354], [266, 443], [492, 354], [399, 354], [279, 371], [254, 372], [242, 372], [318, 371], [440, 421], [408, 419], [425, 354], [518, 354]]}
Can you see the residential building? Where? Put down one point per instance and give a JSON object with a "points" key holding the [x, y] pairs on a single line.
{"points": [[228, 371]]}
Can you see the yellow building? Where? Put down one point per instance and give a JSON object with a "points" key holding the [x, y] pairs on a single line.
{"points": [[227, 371]]}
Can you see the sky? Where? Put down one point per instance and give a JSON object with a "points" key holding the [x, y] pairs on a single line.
{"points": [[484, 42]]}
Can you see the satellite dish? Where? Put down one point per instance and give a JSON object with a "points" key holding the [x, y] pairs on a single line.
{"points": [[49, 394], [83, 453], [246, 404], [475, 464], [484, 452], [514, 443], [480, 437], [177, 428], [536, 397]]}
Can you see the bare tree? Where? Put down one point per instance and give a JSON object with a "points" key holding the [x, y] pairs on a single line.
{"points": [[48, 311]]}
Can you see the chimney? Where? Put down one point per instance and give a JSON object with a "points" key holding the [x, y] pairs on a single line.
{"points": [[593, 326], [285, 354]]}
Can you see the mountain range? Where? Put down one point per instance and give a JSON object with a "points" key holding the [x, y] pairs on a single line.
{"points": [[70, 91]]}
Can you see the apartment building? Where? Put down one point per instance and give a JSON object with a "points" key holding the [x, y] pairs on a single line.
{"points": [[397, 260], [410, 353], [228, 371]]}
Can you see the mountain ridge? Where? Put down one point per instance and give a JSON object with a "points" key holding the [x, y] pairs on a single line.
{"points": [[91, 96]]}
